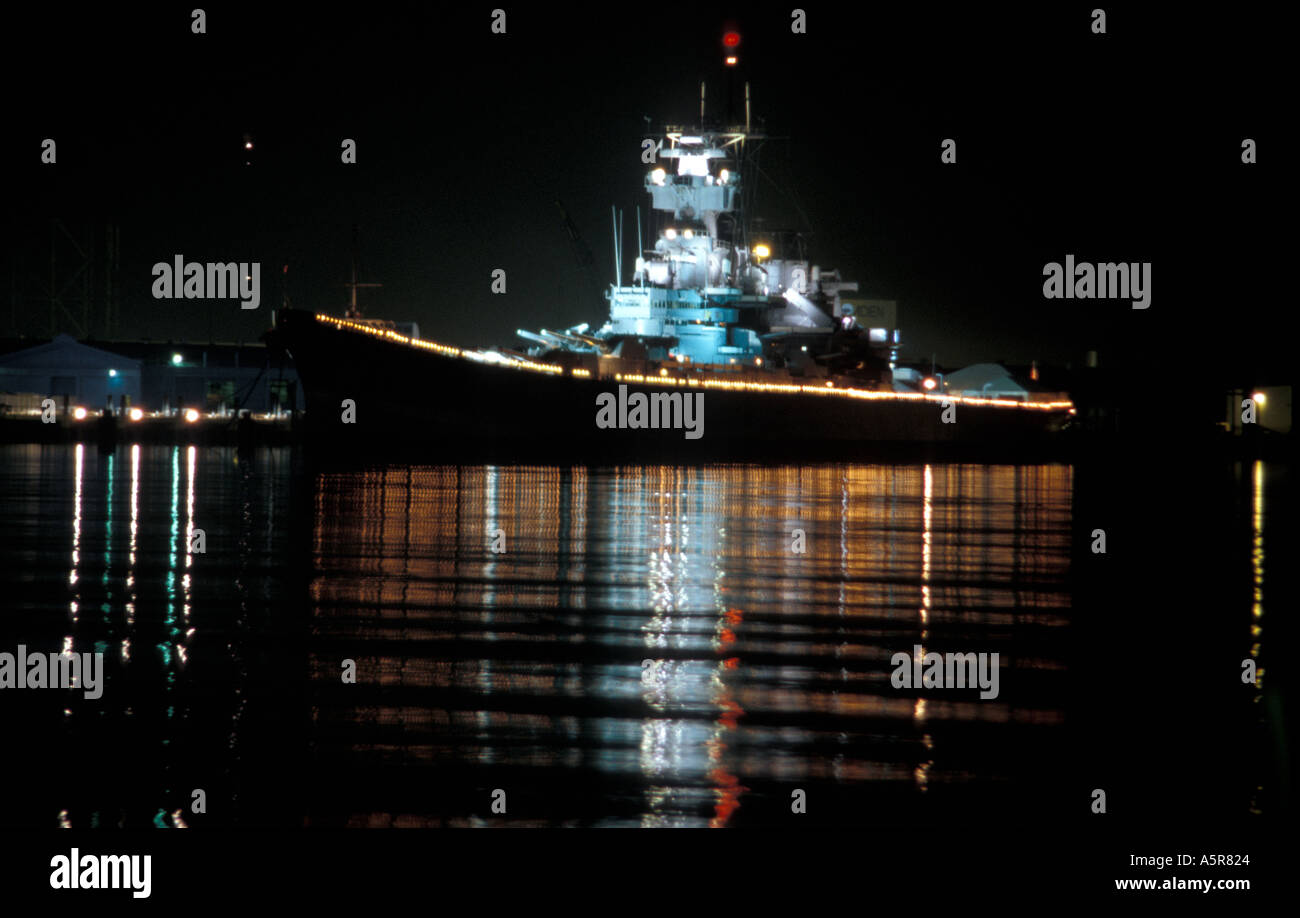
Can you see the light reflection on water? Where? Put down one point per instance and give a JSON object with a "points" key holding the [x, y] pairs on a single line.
{"points": [[646, 648], [98, 553], [654, 630], [658, 646]]}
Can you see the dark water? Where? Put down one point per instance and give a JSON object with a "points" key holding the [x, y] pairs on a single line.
{"points": [[645, 647]]}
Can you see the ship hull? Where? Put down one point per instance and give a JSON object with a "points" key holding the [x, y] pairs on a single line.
{"points": [[366, 392]]}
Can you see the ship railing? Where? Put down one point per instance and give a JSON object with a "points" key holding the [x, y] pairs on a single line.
{"points": [[380, 324]]}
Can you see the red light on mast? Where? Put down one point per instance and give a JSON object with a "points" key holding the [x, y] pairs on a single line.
{"points": [[731, 39]]}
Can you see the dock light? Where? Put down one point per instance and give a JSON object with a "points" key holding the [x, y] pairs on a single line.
{"points": [[929, 383], [723, 176], [176, 360], [79, 413], [191, 415], [670, 233], [658, 176], [688, 233], [1258, 398], [112, 373], [663, 371], [762, 251], [136, 414]]}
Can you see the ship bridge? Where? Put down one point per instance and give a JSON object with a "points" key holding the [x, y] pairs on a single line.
{"points": [[710, 290]]}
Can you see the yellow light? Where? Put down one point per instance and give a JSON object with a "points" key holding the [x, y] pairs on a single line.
{"points": [[663, 371], [761, 251], [136, 414], [433, 346], [730, 385], [79, 414], [1258, 398], [191, 415], [731, 62], [929, 383], [723, 176]]}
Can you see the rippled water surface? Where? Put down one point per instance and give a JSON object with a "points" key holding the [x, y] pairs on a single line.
{"points": [[662, 645]]}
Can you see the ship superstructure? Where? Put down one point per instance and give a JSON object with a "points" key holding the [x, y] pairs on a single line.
{"points": [[713, 295]]}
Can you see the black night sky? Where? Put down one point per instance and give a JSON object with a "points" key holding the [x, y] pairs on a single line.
{"points": [[1123, 147]]}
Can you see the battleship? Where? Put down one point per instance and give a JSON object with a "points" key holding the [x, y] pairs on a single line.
{"points": [[737, 326]]}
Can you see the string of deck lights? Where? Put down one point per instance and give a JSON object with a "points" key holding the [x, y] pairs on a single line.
{"points": [[444, 349], [665, 379], [831, 389]]}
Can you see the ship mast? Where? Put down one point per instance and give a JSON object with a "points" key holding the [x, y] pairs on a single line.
{"points": [[354, 311]]}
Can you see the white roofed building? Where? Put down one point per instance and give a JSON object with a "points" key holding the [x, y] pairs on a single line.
{"points": [[985, 380]]}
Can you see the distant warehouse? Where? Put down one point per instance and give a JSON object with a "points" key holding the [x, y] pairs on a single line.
{"points": [[151, 375]]}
